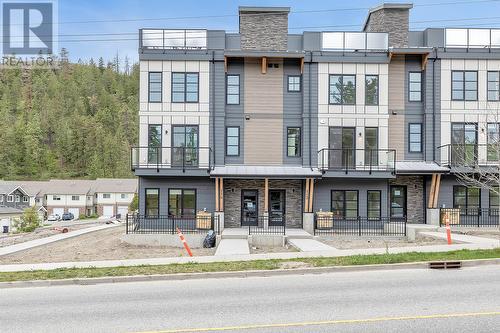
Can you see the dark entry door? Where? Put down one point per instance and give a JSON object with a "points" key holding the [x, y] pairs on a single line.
{"points": [[249, 207], [277, 203], [398, 201], [342, 148]]}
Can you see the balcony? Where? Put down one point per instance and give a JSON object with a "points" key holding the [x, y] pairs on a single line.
{"points": [[472, 38], [171, 158], [354, 41], [351, 161], [172, 39], [469, 156]]}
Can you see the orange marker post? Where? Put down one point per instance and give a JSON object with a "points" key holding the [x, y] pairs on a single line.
{"points": [[448, 229], [183, 240]]}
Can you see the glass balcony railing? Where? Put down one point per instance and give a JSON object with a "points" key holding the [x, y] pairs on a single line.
{"points": [[173, 39], [470, 155], [352, 160], [472, 38], [354, 41]]}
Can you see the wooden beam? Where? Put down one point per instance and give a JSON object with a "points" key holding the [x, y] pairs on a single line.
{"points": [[225, 64], [301, 65], [217, 194], [431, 192], [390, 56], [221, 194], [306, 206], [266, 195], [264, 65], [424, 61], [311, 194], [436, 191]]}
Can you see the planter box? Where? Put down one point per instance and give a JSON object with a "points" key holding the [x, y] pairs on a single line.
{"points": [[324, 220], [203, 220]]}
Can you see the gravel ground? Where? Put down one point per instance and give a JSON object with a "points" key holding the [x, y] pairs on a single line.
{"points": [[99, 245], [268, 249], [492, 234], [364, 243]]}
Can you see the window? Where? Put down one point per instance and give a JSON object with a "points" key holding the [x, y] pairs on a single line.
{"points": [[415, 138], [18, 198], [10, 198], [56, 198], [154, 143], [342, 144], [106, 196], [155, 87], [494, 199], [185, 87], [466, 197], [464, 144], [75, 197], [464, 85], [374, 206], [371, 146], [233, 89], [232, 141], [371, 89], [345, 204], [185, 146], [123, 196], [342, 89], [293, 83], [415, 86], [25, 199], [181, 202], [493, 86], [293, 139], [398, 201], [152, 202], [493, 141]]}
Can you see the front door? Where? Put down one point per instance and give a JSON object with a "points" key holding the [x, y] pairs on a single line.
{"points": [[249, 207], [342, 146], [276, 207], [398, 201]]}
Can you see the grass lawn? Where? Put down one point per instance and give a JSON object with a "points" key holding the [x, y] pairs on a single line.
{"points": [[71, 273]]}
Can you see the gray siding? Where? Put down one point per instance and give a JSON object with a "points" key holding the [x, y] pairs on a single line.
{"points": [[217, 111], [235, 115], [445, 198], [414, 111], [310, 98], [292, 109], [432, 129]]}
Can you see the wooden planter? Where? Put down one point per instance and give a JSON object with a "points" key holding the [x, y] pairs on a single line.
{"points": [[203, 220], [324, 220]]}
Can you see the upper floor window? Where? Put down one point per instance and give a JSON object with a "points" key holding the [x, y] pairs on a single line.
{"points": [[155, 87], [154, 143], [75, 197], [415, 138], [185, 87], [342, 89], [293, 83], [493, 86], [371, 146], [233, 89], [293, 142], [106, 195], [25, 199], [371, 89], [56, 197], [464, 85], [493, 141], [18, 198], [10, 198], [123, 196], [232, 141], [415, 86]]}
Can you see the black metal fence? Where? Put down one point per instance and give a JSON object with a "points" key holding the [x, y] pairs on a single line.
{"points": [[470, 217], [360, 226], [270, 230], [164, 224], [265, 225]]}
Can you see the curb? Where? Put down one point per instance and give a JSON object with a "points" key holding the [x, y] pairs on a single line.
{"points": [[235, 274]]}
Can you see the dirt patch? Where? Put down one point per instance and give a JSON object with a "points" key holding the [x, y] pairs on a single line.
{"points": [[99, 245], [360, 243], [491, 234], [294, 265], [269, 249]]}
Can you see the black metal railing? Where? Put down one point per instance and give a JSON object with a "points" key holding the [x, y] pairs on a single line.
{"points": [[171, 157], [470, 217], [265, 225], [349, 160], [360, 226], [163, 224], [469, 155]]}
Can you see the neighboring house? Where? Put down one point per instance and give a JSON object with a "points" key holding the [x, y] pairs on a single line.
{"points": [[7, 215], [113, 196], [71, 196], [13, 195]]}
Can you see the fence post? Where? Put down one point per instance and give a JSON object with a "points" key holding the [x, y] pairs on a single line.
{"points": [[126, 224], [359, 225], [479, 213], [173, 224]]}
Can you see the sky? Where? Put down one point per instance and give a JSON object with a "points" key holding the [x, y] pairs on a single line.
{"points": [[120, 20]]}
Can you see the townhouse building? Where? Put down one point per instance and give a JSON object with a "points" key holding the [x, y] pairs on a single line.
{"points": [[265, 127]]}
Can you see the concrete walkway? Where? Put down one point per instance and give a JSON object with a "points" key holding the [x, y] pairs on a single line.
{"points": [[232, 247], [51, 239], [462, 238], [306, 245]]}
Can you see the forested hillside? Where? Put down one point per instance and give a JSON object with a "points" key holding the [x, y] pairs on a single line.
{"points": [[77, 121]]}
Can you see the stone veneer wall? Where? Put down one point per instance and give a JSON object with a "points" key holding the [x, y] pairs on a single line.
{"points": [[414, 196], [393, 21], [264, 31], [232, 199]]}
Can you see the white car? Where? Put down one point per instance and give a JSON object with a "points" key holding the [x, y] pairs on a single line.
{"points": [[53, 217]]}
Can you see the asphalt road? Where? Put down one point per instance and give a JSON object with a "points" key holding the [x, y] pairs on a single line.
{"points": [[466, 300]]}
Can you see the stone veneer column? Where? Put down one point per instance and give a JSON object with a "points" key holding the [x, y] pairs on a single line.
{"points": [[264, 29], [414, 196]]}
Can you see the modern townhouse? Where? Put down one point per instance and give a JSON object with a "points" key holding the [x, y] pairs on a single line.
{"points": [[264, 127], [113, 196]]}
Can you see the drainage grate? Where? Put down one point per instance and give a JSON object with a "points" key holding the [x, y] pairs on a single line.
{"points": [[445, 264]]}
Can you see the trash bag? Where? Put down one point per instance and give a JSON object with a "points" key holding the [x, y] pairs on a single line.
{"points": [[209, 241]]}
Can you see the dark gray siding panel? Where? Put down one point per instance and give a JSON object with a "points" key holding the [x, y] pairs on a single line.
{"points": [[235, 113], [432, 126], [292, 108], [310, 84], [414, 111], [217, 110]]}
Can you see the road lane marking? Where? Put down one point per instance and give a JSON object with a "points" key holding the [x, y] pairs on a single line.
{"points": [[326, 322]]}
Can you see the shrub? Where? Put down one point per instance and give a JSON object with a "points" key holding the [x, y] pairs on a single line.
{"points": [[28, 222]]}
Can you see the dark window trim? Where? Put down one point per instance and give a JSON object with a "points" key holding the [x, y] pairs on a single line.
{"points": [[497, 125], [227, 90], [409, 87], [299, 153], [342, 89], [344, 200], [161, 133], [405, 188], [466, 196], [242, 192], [146, 200], [488, 89], [269, 198], [185, 87], [463, 86], [182, 200], [149, 87], [379, 206], [239, 141], [421, 149], [288, 83], [378, 89]]}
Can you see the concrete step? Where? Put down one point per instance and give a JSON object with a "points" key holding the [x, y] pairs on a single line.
{"points": [[232, 247], [298, 234]]}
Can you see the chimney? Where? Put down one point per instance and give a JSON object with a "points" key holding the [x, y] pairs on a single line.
{"points": [[264, 28], [392, 18]]}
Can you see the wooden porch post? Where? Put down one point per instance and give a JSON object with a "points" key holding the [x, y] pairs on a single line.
{"points": [[431, 192], [266, 194], [217, 194], [436, 191], [306, 206], [221, 197], [311, 195]]}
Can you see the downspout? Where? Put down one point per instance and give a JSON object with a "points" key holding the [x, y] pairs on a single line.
{"points": [[309, 109], [213, 105]]}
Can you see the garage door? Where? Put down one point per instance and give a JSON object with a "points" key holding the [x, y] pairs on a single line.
{"points": [[58, 211], [107, 211], [122, 211], [75, 211]]}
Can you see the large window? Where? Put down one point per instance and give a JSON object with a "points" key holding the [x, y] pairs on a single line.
{"points": [[345, 203], [371, 89], [415, 138], [232, 141], [493, 86], [464, 144], [342, 89], [185, 146], [293, 83], [415, 86], [374, 206], [154, 143], [152, 202], [464, 85], [494, 199], [371, 146], [181, 202], [466, 197], [293, 141], [155, 87], [233, 89], [493, 141], [185, 87], [342, 144]]}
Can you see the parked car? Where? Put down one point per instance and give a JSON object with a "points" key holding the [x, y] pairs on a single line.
{"points": [[53, 217], [68, 216]]}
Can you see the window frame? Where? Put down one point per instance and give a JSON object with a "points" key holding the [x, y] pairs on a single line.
{"points": [[149, 87], [344, 202], [464, 99], [299, 150], [420, 96], [146, 215], [108, 195], [493, 144], [378, 90], [379, 204], [288, 83], [377, 132], [75, 196], [10, 198], [227, 89], [173, 146], [455, 187], [56, 197], [492, 90], [239, 141], [182, 201], [421, 147], [185, 92], [341, 90]]}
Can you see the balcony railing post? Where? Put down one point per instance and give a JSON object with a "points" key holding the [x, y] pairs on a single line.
{"points": [[371, 160]]}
